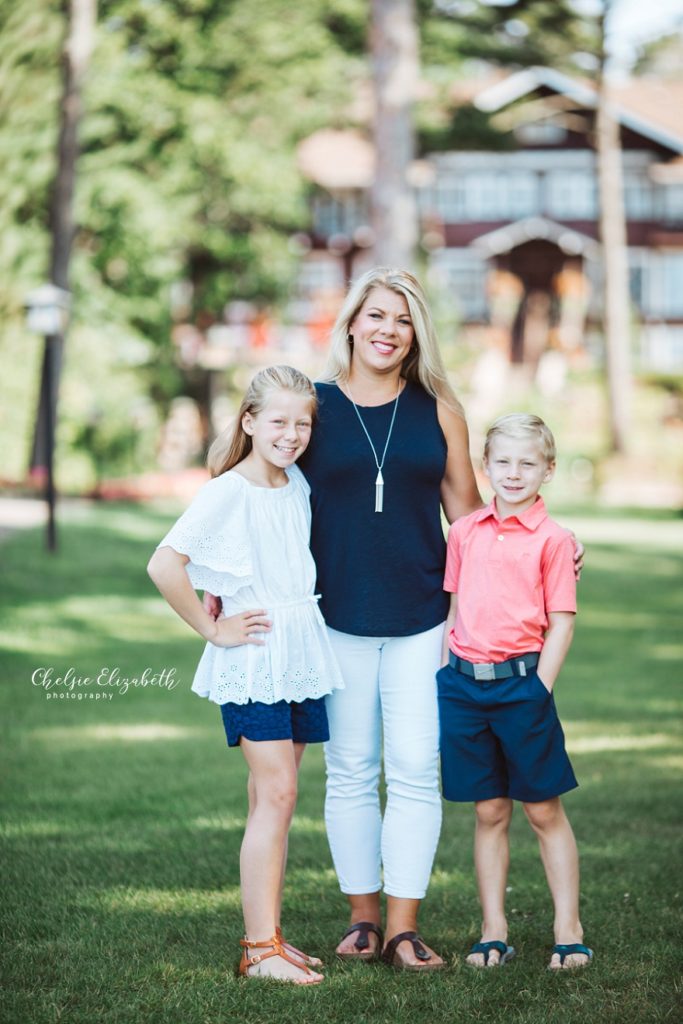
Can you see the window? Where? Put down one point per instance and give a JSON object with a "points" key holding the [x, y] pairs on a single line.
{"points": [[449, 198], [462, 275], [571, 195], [540, 133], [339, 215], [639, 278], [661, 347], [656, 282], [320, 272], [671, 269], [523, 194], [638, 197], [487, 196], [672, 196]]}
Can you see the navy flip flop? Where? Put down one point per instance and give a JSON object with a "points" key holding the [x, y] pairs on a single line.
{"points": [[566, 949], [506, 952]]}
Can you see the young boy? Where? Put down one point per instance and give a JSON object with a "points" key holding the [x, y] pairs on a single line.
{"points": [[510, 573]]}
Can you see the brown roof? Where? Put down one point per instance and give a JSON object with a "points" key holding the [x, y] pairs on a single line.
{"points": [[337, 159], [658, 102], [648, 105]]}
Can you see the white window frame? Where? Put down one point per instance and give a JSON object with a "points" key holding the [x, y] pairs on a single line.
{"points": [[462, 272], [571, 194]]}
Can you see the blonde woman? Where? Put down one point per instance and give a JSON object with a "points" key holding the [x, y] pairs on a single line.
{"points": [[390, 450]]}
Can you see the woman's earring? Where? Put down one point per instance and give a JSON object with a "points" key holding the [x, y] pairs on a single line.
{"points": [[349, 338]]}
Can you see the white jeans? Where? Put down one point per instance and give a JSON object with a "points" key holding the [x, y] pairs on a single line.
{"points": [[390, 684]]}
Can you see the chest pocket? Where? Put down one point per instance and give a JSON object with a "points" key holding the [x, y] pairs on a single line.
{"points": [[518, 563]]}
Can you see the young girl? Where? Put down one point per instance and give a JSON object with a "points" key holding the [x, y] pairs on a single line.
{"points": [[267, 662]]}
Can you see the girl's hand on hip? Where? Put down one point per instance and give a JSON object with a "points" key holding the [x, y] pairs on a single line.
{"points": [[243, 628]]}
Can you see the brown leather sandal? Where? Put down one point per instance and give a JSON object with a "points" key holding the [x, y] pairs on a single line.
{"points": [[275, 948], [391, 960], [362, 943], [310, 961]]}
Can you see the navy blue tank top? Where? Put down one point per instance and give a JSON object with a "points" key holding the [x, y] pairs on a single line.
{"points": [[379, 573]]}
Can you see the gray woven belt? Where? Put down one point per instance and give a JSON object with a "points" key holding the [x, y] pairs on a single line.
{"points": [[495, 670]]}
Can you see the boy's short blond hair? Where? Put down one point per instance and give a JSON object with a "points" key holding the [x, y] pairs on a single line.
{"points": [[523, 426]]}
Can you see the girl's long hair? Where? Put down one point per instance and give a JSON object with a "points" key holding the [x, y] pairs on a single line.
{"points": [[233, 445], [423, 364]]}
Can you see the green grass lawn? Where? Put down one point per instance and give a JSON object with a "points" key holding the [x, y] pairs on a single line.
{"points": [[122, 817]]}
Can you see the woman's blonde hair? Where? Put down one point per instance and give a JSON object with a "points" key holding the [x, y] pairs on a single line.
{"points": [[423, 364], [524, 427], [233, 444]]}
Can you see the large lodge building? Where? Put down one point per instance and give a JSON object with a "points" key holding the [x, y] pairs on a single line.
{"points": [[515, 231]]}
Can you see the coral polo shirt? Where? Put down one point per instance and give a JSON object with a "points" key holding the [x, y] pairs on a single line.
{"points": [[508, 574]]}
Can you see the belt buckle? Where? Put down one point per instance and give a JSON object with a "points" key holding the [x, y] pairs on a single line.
{"points": [[484, 671]]}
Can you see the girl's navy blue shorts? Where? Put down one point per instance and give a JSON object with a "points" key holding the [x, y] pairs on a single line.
{"points": [[500, 738], [300, 721]]}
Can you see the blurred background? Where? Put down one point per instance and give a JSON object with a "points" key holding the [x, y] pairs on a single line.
{"points": [[188, 187]]}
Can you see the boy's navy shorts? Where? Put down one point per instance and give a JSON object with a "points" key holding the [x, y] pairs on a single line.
{"points": [[300, 721], [500, 738]]}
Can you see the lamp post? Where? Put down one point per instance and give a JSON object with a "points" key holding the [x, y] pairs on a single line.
{"points": [[47, 310]]}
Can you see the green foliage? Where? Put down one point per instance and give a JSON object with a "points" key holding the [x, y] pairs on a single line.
{"points": [[663, 56], [466, 127], [461, 36], [193, 110], [29, 90], [199, 113], [192, 114], [507, 34]]}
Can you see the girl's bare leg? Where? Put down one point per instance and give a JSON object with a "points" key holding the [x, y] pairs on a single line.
{"points": [[272, 798], [312, 961]]}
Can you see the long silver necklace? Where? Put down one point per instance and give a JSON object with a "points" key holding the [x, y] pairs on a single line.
{"points": [[379, 479]]}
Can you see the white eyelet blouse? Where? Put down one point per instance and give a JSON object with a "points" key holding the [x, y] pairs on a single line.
{"points": [[249, 546]]}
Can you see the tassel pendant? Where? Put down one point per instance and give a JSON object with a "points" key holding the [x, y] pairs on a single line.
{"points": [[379, 491]]}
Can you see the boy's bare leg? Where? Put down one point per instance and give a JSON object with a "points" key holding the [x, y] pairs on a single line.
{"points": [[561, 862], [298, 754], [492, 860]]}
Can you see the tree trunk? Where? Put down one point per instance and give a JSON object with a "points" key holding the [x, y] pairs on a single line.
{"points": [[80, 29], [616, 298], [394, 49]]}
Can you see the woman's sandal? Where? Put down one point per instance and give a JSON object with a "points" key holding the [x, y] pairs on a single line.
{"points": [[362, 943], [389, 954], [566, 949], [506, 953], [310, 961], [275, 947]]}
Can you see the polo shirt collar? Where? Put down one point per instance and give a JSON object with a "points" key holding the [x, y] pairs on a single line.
{"points": [[531, 518]]}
